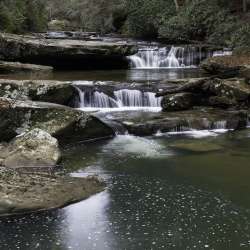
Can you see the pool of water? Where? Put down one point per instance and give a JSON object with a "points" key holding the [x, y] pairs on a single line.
{"points": [[114, 75], [179, 191]]}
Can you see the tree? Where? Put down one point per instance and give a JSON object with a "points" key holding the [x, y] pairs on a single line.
{"points": [[244, 5]]}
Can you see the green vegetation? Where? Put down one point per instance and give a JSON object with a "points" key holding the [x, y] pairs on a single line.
{"points": [[179, 21], [23, 15]]}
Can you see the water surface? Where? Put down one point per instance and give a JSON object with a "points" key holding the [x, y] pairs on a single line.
{"points": [[139, 75], [160, 195]]}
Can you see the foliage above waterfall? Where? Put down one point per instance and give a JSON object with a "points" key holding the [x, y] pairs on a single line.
{"points": [[146, 16], [215, 21], [23, 15]]}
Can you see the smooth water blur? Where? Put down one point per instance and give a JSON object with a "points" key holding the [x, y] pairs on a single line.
{"points": [[163, 192], [112, 75]]}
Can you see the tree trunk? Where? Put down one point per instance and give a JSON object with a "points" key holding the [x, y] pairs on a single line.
{"points": [[176, 5], [244, 5]]}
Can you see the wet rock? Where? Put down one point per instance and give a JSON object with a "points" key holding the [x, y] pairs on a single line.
{"points": [[35, 148], [142, 123], [235, 89], [31, 192], [233, 92], [64, 123], [17, 67], [176, 102], [245, 73], [197, 146], [38, 90], [221, 102], [62, 53]]}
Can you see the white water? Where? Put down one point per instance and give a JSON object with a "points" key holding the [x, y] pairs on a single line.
{"points": [[222, 53], [199, 133], [122, 100], [217, 128], [156, 57], [136, 146]]}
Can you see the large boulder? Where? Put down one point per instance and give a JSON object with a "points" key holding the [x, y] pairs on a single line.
{"points": [[35, 148], [17, 67], [234, 89], [62, 53], [31, 192], [226, 66], [179, 101], [38, 90], [221, 102], [64, 123]]}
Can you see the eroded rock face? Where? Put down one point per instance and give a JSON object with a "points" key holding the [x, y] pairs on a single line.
{"points": [[65, 53], [38, 90], [35, 148], [26, 192], [64, 123]]}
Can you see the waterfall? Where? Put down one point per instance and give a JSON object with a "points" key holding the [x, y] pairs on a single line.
{"points": [[121, 98], [219, 125], [163, 57]]}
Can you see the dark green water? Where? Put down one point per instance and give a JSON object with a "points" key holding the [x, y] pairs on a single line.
{"points": [[164, 192], [160, 195]]}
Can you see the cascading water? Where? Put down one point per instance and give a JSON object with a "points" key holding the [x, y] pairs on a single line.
{"points": [[124, 98], [163, 57]]}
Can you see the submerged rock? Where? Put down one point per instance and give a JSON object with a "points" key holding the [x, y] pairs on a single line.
{"points": [[197, 146], [36, 148], [31, 192], [62, 53], [64, 123]]}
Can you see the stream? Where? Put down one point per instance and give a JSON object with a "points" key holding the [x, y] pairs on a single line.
{"points": [[179, 190]]}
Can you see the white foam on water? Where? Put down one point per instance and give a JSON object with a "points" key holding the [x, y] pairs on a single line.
{"points": [[121, 109], [196, 133], [136, 146]]}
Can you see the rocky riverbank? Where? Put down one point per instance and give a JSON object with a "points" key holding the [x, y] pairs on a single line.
{"points": [[24, 192], [31, 136]]}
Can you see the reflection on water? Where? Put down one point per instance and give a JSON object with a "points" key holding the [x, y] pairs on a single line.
{"points": [[157, 197], [114, 75]]}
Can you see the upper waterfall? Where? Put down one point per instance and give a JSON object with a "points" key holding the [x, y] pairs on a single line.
{"points": [[152, 57]]}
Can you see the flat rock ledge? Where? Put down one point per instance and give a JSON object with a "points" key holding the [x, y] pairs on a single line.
{"points": [[61, 53], [22, 193], [17, 67]]}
